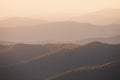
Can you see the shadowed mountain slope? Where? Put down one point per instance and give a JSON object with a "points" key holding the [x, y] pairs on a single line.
{"points": [[43, 68], [13, 54], [106, 71]]}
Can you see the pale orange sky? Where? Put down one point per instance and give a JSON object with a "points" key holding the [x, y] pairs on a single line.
{"points": [[53, 8]]}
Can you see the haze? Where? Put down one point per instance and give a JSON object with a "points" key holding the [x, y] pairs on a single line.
{"points": [[34, 21], [55, 9]]}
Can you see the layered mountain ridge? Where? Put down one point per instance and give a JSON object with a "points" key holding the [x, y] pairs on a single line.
{"points": [[66, 58]]}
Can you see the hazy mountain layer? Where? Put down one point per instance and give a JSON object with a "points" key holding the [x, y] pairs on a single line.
{"points": [[102, 17], [65, 31]]}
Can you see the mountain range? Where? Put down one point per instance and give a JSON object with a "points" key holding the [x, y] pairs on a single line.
{"points": [[63, 32], [109, 40], [106, 71], [86, 47], [20, 21], [99, 24], [101, 17], [18, 64], [12, 54]]}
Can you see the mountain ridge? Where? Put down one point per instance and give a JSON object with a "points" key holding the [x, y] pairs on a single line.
{"points": [[86, 69], [63, 32], [44, 68], [101, 17]]}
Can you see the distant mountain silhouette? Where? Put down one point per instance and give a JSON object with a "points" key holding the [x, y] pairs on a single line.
{"points": [[37, 68], [106, 71], [57, 31], [110, 40], [102, 17], [20, 22]]}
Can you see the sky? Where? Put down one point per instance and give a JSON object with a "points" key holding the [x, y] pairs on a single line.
{"points": [[52, 8]]}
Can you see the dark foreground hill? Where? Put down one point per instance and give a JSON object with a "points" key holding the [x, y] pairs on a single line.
{"points": [[13, 54], [106, 71], [37, 68]]}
